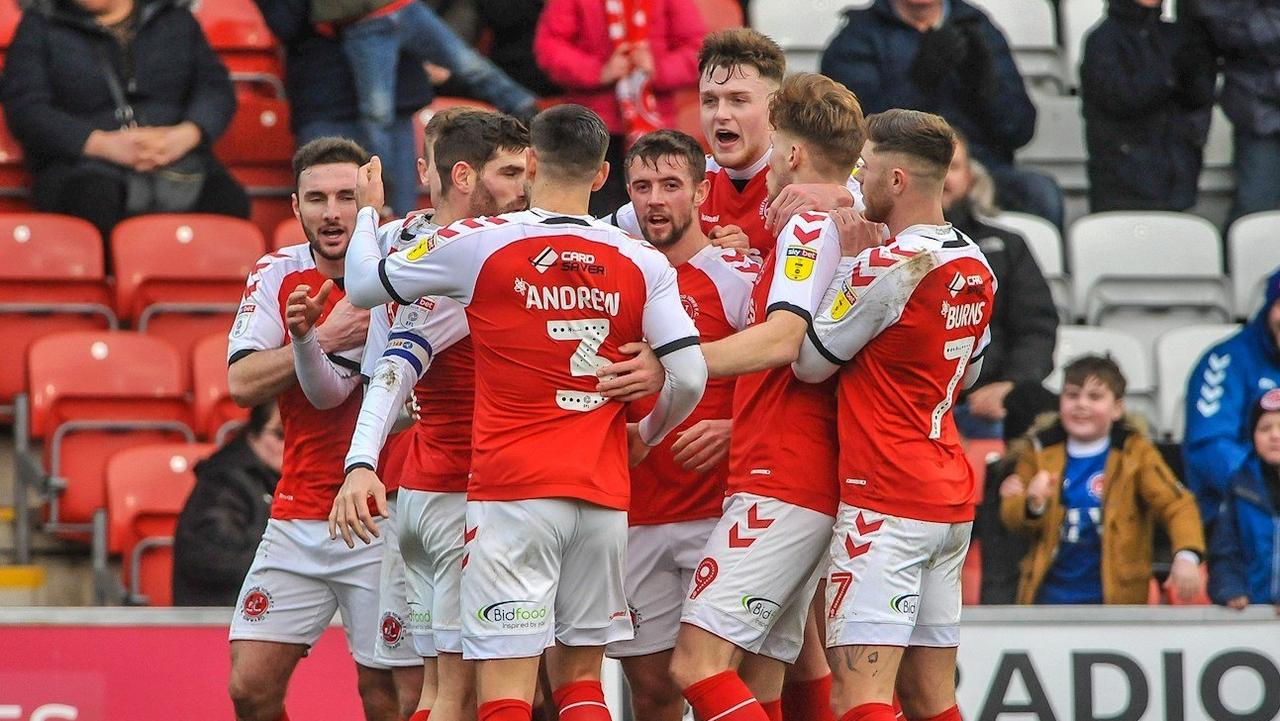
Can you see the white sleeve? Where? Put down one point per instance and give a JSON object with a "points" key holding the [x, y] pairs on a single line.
{"points": [[376, 339], [325, 383], [436, 265], [667, 327], [686, 370], [806, 256], [870, 298], [258, 324], [625, 218]]}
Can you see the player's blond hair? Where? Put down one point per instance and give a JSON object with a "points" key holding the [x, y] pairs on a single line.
{"points": [[925, 137], [823, 115], [742, 47]]}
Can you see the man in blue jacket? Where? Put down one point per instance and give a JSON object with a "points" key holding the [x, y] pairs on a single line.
{"points": [[947, 57], [1226, 383]]}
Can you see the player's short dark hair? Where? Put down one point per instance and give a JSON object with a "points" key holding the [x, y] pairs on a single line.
{"points": [[1103, 368], [742, 47], [439, 120], [570, 141], [325, 151], [923, 136], [475, 138], [824, 115], [652, 147]]}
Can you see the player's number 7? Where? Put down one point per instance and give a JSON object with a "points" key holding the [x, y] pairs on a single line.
{"points": [[953, 350], [585, 361]]}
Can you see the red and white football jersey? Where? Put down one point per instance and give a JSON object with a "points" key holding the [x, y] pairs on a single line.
{"points": [[907, 322], [783, 442], [715, 289], [549, 300], [313, 461]]}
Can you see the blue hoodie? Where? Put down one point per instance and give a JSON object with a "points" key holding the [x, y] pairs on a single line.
{"points": [[1226, 383], [1244, 553]]}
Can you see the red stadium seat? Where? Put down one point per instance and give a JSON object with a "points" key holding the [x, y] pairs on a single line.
{"points": [[258, 145], [240, 36], [10, 15], [14, 180], [267, 209], [181, 276], [288, 232], [51, 281], [147, 487], [689, 116], [720, 14], [1200, 599], [92, 395], [215, 412]]}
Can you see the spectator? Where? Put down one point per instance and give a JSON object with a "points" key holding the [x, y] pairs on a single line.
{"points": [[624, 65], [372, 43], [226, 514], [1244, 565], [1024, 327], [1246, 35], [514, 24], [322, 95], [1220, 391], [1091, 469], [1147, 87], [85, 155], [946, 57]]}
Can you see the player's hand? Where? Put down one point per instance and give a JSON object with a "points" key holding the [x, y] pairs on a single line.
{"points": [[302, 309], [702, 446], [633, 379], [730, 236], [345, 327], [988, 401], [856, 232], [637, 449], [350, 514], [1239, 603], [1184, 581], [803, 197], [369, 189], [1042, 486], [1012, 486]]}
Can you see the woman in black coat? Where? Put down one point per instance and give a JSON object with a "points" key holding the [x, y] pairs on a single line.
{"points": [[59, 105], [1147, 87]]}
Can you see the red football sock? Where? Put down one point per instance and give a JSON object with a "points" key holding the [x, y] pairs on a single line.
{"points": [[724, 697], [505, 709], [421, 715], [951, 714], [581, 701], [773, 709], [809, 700], [869, 712]]}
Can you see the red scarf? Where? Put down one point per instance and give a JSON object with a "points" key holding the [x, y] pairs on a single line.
{"points": [[628, 22]]}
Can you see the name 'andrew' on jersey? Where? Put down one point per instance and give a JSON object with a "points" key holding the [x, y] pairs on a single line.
{"points": [[908, 321], [550, 299]]}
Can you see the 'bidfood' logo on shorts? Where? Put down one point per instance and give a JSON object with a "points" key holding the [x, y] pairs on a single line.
{"points": [[906, 603], [760, 607], [514, 614]]}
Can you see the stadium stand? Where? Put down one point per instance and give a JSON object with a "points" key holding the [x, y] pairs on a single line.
{"points": [[288, 232], [10, 14], [214, 413], [1128, 353], [1176, 354], [51, 280], [180, 276], [803, 29], [146, 489], [258, 145], [1045, 243], [240, 36], [1031, 29], [1057, 147], [1252, 253], [14, 180]]}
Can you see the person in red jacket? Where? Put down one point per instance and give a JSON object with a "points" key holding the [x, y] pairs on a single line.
{"points": [[624, 59]]}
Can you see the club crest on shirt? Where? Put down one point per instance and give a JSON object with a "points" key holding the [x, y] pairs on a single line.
{"points": [[690, 306], [799, 262]]}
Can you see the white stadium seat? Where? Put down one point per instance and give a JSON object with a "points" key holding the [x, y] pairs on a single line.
{"points": [[1177, 353], [1253, 250], [1058, 145], [1217, 174], [803, 28], [1029, 26], [1147, 272], [1128, 353], [1046, 245], [1078, 18]]}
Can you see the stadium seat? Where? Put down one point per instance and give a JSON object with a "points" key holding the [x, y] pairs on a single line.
{"points": [[1058, 145], [1177, 352], [802, 31], [147, 487], [10, 16], [215, 414], [1147, 272], [1045, 243], [1128, 353], [1253, 251], [1031, 30], [1200, 599], [288, 232], [239, 35], [181, 276], [14, 180], [51, 281], [93, 394], [1077, 18], [258, 145], [1218, 174], [720, 14]]}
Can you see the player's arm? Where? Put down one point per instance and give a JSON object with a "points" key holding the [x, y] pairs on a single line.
{"points": [[258, 367], [327, 381], [771, 344]]}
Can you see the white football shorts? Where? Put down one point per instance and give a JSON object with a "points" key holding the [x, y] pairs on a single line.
{"points": [[393, 645], [431, 529]]}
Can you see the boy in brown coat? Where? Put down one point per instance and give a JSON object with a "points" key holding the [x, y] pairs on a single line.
{"points": [[1089, 492]]}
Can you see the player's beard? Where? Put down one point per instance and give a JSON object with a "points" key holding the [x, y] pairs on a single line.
{"points": [[675, 230], [878, 205], [317, 247], [483, 202]]}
